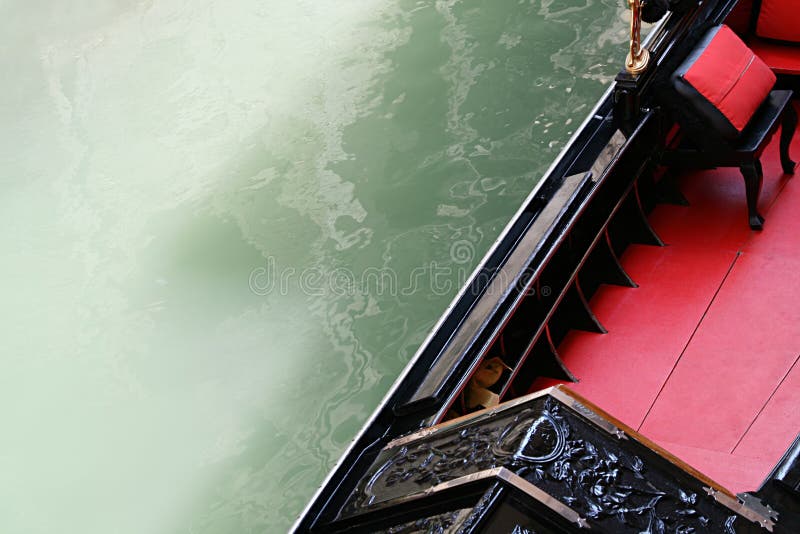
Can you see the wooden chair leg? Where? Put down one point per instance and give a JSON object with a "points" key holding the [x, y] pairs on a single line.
{"points": [[667, 190], [753, 176], [788, 127]]}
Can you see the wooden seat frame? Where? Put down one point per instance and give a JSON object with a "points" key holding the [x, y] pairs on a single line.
{"points": [[702, 148]]}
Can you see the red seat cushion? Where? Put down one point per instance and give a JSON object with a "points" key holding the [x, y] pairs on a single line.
{"points": [[779, 20], [724, 80]]}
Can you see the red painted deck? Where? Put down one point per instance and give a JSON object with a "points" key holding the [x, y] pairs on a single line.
{"points": [[702, 356]]}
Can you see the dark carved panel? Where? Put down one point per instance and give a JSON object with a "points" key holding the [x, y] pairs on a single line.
{"points": [[528, 436], [437, 524], [566, 450]]}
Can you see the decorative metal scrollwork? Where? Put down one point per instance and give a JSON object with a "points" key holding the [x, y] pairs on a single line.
{"points": [[539, 441]]}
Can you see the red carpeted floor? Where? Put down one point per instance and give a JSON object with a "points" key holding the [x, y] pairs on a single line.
{"points": [[702, 356]]}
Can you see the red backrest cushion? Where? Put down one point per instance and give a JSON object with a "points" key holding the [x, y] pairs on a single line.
{"points": [[724, 80], [780, 20]]}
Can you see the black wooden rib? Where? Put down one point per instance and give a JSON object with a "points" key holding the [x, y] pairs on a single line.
{"points": [[606, 266], [632, 219], [576, 307], [668, 192], [553, 366], [540, 360], [650, 235]]}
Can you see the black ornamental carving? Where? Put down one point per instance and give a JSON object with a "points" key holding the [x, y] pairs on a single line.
{"points": [[611, 478]]}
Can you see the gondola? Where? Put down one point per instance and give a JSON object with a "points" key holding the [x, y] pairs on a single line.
{"points": [[623, 359]]}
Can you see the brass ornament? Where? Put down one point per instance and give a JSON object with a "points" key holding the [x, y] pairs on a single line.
{"points": [[638, 57]]}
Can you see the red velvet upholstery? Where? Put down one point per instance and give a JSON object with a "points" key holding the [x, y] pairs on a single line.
{"points": [[724, 80], [779, 20]]}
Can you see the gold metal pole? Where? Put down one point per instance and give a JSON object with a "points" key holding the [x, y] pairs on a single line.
{"points": [[638, 57]]}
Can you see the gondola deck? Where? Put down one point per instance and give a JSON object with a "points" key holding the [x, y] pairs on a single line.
{"points": [[701, 357]]}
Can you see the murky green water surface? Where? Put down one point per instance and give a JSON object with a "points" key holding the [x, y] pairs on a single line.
{"points": [[220, 226]]}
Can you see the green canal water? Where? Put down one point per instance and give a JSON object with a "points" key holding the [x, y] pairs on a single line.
{"points": [[226, 227]]}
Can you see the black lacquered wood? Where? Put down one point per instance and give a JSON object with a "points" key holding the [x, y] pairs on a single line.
{"points": [[579, 467], [578, 311]]}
